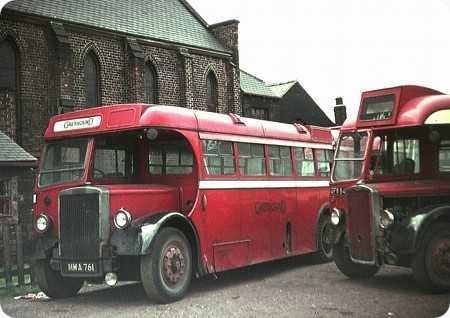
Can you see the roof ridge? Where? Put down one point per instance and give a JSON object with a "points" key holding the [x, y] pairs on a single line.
{"points": [[194, 13], [283, 83], [252, 76]]}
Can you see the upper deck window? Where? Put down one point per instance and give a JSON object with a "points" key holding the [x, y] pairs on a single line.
{"points": [[444, 156], [218, 157], [378, 108]]}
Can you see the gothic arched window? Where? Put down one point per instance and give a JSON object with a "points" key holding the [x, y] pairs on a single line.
{"points": [[150, 84], [211, 92], [92, 80], [8, 66]]}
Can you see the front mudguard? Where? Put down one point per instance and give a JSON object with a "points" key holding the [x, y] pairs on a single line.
{"points": [[405, 237], [138, 238]]}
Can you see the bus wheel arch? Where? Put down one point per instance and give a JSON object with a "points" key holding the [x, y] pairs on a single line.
{"points": [[431, 265], [181, 223]]}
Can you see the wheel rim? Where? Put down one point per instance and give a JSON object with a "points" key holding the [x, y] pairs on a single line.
{"points": [[174, 265], [325, 241], [440, 259]]}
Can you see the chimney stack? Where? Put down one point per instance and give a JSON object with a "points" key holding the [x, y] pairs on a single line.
{"points": [[340, 112]]}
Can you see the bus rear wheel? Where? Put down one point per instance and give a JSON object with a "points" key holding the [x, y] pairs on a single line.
{"points": [[431, 265], [349, 268], [166, 271], [52, 283]]}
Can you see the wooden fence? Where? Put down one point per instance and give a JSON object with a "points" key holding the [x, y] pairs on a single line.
{"points": [[16, 266], [15, 230]]}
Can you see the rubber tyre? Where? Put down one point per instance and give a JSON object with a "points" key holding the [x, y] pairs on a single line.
{"points": [[425, 260], [53, 284], [324, 252], [154, 281], [349, 268]]}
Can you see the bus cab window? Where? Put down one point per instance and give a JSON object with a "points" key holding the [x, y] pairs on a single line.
{"points": [[444, 156], [398, 157], [114, 157], [170, 158]]}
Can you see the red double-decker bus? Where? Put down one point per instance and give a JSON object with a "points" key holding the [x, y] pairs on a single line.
{"points": [[160, 194], [390, 186]]}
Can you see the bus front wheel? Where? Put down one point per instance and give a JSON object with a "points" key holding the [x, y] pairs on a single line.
{"points": [[431, 265], [166, 271], [324, 246], [349, 268], [52, 283]]}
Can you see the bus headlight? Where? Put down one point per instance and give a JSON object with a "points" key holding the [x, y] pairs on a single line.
{"points": [[386, 219], [335, 216], [43, 223], [122, 219]]}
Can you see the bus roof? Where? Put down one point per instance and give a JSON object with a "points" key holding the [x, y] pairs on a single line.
{"points": [[114, 118], [401, 106]]}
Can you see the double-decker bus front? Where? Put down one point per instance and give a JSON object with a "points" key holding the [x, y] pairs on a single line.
{"points": [[390, 186]]}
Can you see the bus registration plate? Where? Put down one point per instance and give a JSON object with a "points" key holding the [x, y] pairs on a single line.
{"points": [[73, 267]]}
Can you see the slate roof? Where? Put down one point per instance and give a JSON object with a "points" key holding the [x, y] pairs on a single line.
{"points": [[281, 89], [252, 85], [167, 20], [12, 153]]}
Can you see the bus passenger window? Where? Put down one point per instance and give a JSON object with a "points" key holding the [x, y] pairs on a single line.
{"points": [[251, 159], [170, 158], [323, 158], [218, 157], [305, 162], [280, 161], [444, 156]]}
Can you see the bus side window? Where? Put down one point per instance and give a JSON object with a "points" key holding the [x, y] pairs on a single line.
{"points": [[170, 158], [280, 161], [218, 157], [305, 162], [251, 159], [323, 159], [444, 156]]}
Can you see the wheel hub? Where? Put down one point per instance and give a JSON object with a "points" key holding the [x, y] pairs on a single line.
{"points": [[441, 258], [173, 264]]}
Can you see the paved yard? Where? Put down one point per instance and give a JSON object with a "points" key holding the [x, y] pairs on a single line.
{"points": [[294, 287]]}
